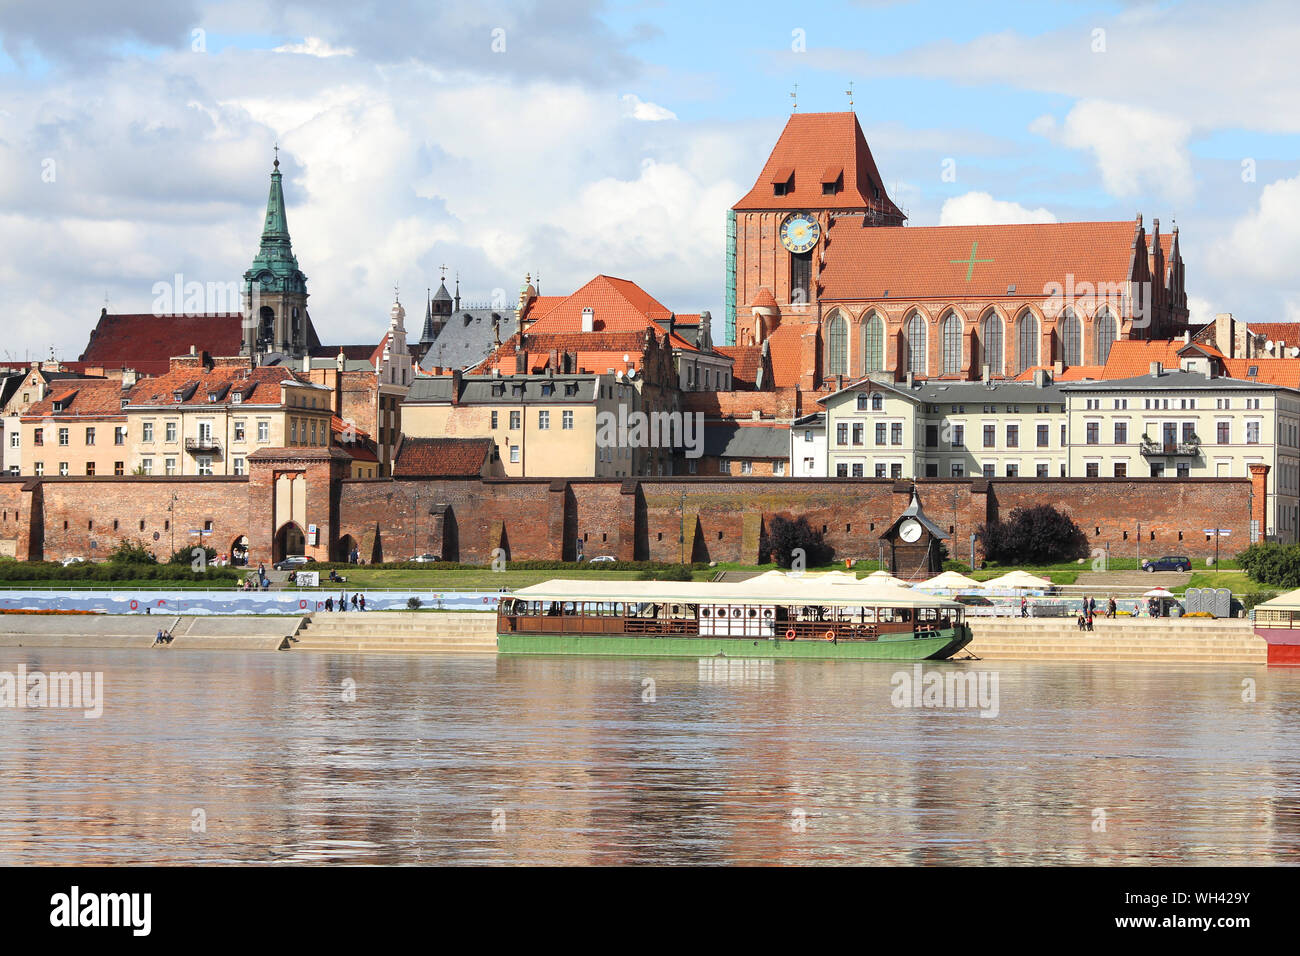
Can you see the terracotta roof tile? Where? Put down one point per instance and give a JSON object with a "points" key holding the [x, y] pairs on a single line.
{"points": [[259, 386], [441, 457], [1288, 332], [1271, 371], [811, 145], [618, 305], [147, 342], [934, 262], [1132, 357], [91, 396], [786, 350]]}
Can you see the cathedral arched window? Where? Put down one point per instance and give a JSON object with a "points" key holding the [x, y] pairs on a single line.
{"points": [[837, 345], [916, 345], [1071, 338], [1105, 335], [994, 350], [873, 344], [951, 344], [1027, 342]]}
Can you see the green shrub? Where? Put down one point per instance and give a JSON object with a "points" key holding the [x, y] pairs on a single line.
{"points": [[1249, 601], [784, 535], [132, 552], [1275, 564], [1037, 535]]}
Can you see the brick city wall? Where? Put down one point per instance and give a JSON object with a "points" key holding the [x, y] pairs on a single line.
{"points": [[721, 519], [704, 519]]}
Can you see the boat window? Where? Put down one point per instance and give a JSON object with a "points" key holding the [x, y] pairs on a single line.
{"points": [[570, 607], [706, 611], [767, 613], [752, 612], [735, 612]]}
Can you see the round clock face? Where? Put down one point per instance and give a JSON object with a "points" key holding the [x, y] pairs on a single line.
{"points": [[800, 232], [909, 530]]}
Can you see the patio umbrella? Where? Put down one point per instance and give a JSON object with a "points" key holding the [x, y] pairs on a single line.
{"points": [[951, 581], [1158, 593], [886, 577], [1021, 580]]}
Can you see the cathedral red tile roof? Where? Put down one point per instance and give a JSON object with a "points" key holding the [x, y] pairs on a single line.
{"points": [[810, 147], [1288, 332], [926, 263], [748, 360], [764, 299], [441, 457], [146, 343], [786, 351]]}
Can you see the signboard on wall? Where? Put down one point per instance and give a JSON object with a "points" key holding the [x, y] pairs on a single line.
{"points": [[312, 534]]}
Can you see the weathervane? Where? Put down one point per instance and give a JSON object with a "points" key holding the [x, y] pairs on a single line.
{"points": [[849, 94], [443, 267], [277, 154], [794, 97], [396, 296]]}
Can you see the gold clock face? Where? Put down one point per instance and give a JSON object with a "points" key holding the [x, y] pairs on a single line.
{"points": [[800, 232]]}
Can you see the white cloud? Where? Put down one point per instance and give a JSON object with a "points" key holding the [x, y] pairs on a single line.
{"points": [[315, 46], [1200, 310], [1265, 243], [981, 209], [1137, 150], [639, 109]]}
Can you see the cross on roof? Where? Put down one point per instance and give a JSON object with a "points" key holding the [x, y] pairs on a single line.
{"points": [[969, 263]]}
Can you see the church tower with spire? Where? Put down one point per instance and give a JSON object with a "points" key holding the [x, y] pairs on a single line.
{"points": [[276, 323]]}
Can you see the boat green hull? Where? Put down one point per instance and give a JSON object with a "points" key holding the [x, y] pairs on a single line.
{"points": [[940, 647]]}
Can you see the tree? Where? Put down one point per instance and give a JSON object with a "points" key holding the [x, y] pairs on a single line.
{"points": [[786, 534], [132, 552], [1037, 535]]}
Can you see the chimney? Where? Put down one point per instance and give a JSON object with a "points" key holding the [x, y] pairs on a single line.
{"points": [[1040, 378], [1058, 367], [756, 415], [588, 319], [985, 374], [194, 350], [908, 380], [1156, 369], [521, 363], [455, 386], [129, 377], [1187, 337]]}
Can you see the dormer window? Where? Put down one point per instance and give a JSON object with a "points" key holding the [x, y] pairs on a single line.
{"points": [[548, 388], [237, 397], [570, 388], [498, 389], [58, 406], [176, 396], [125, 402], [783, 181], [832, 180]]}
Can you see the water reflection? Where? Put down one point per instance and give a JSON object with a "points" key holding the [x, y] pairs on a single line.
{"points": [[225, 758]]}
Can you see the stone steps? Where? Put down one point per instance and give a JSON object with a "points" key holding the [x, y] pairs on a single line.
{"points": [[397, 632]]}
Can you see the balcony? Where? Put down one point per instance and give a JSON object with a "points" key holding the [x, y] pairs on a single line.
{"points": [[203, 446], [1182, 449]]}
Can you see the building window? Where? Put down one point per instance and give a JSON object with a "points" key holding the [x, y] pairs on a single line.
{"points": [[238, 463], [205, 464], [857, 469], [951, 344], [800, 277], [862, 401], [119, 468], [1013, 470], [873, 344], [746, 467], [1092, 469], [1071, 338], [896, 433], [858, 429], [90, 468], [958, 436], [566, 420], [837, 345], [990, 470], [1042, 436], [1040, 470], [38, 436], [40, 468], [1121, 469], [1027, 344], [63, 436], [239, 430], [514, 420], [842, 433], [993, 347], [958, 470], [778, 468], [63, 468], [877, 402], [514, 453], [724, 466], [293, 431], [1105, 324], [895, 470], [170, 429], [544, 420], [916, 345], [1223, 432], [1184, 470], [841, 470], [169, 466], [494, 419], [990, 436], [1252, 433], [119, 435], [1093, 430], [14, 440], [931, 436], [1013, 436], [90, 436], [1121, 433], [146, 466], [880, 471]]}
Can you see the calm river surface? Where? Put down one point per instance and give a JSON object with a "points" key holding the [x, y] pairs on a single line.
{"points": [[228, 757]]}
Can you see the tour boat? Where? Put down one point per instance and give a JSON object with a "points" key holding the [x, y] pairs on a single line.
{"points": [[774, 615]]}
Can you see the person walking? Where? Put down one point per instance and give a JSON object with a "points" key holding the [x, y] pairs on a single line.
{"points": [[354, 600], [363, 602], [329, 603], [1024, 606], [1111, 607]]}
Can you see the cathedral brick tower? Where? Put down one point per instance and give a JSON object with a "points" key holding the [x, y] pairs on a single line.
{"points": [[820, 167]]}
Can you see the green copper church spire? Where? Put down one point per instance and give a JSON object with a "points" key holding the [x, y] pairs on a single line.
{"points": [[275, 266]]}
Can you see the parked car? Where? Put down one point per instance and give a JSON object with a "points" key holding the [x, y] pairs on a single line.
{"points": [[293, 562], [426, 558], [602, 559], [1170, 562], [973, 600], [73, 560]]}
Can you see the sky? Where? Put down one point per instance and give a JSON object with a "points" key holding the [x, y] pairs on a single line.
{"points": [[567, 139]]}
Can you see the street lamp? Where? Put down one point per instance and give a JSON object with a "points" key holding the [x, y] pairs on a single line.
{"points": [[171, 520], [417, 524], [681, 535]]}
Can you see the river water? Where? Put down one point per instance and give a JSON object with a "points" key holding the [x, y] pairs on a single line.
{"points": [[223, 757]]}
